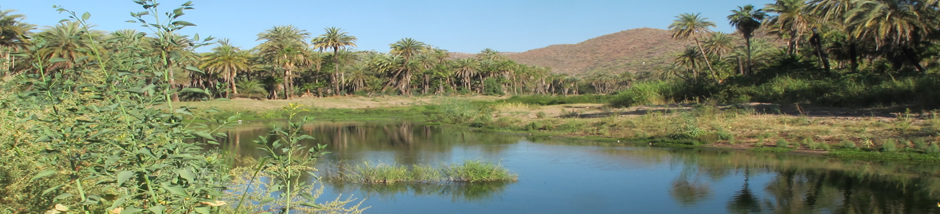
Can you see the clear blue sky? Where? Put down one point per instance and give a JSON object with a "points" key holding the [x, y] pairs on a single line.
{"points": [[455, 25]]}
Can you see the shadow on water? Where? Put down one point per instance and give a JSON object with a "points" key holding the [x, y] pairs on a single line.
{"points": [[563, 175]]}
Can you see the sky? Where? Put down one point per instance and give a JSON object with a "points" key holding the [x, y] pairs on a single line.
{"points": [[467, 26]]}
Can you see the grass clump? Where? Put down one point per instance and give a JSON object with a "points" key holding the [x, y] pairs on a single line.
{"points": [[469, 171]]}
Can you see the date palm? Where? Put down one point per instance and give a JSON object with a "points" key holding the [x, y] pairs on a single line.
{"points": [[746, 19], [891, 23], [834, 13], [465, 69], [689, 58], [13, 36], [719, 44], [406, 48], [689, 26], [227, 60], [793, 20], [66, 40], [285, 46], [335, 38]]}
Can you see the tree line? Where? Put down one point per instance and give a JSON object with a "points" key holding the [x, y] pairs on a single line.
{"points": [[290, 62], [854, 36]]}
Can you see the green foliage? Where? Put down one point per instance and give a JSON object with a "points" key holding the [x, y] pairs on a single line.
{"points": [[889, 146], [541, 115], [457, 111], [781, 143], [469, 171]]}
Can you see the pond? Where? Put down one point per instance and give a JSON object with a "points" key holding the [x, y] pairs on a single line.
{"points": [[560, 175]]}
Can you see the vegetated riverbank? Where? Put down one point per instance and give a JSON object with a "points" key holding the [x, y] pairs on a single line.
{"points": [[875, 134]]}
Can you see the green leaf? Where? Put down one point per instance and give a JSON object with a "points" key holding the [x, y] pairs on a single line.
{"points": [[174, 189], [266, 200], [195, 90], [86, 16], [308, 196], [57, 59], [123, 176], [50, 189], [43, 174], [203, 210], [311, 204], [62, 196], [194, 69], [183, 23], [131, 210], [187, 174], [196, 37], [157, 209], [203, 134]]}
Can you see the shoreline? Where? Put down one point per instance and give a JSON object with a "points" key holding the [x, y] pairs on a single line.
{"points": [[867, 134]]}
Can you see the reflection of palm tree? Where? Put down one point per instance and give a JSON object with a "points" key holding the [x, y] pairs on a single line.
{"points": [[689, 193], [744, 201]]}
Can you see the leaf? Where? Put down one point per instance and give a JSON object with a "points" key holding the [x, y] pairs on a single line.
{"points": [[131, 210], [195, 90], [62, 196], [266, 200], [43, 174], [196, 37], [57, 59], [50, 189], [86, 16], [157, 209], [194, 69], [174, 189], [203, 210], [123, 176], [184, 111], [187, 174], [183, 23], [308, 196], [203, 134]]}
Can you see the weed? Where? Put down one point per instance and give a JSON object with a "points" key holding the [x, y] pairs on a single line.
{"points": [[889, 146]]}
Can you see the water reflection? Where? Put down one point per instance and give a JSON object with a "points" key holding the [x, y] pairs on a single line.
{"points": [[574, 176]]}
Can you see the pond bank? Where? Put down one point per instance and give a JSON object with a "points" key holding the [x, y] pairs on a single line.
{"points": [[845, 133]]}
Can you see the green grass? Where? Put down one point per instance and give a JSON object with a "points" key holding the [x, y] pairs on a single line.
{"points": [[470, 171]]}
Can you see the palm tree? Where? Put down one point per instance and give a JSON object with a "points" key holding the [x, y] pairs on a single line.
{"points": [[792, 20], [227, 60], [13, 36], [334, 38], [834, 12], [284, 45], [892, 23], [719, 44], [406, 48], [465, 69], [689, 59], [747, 20], [66, 40], [688, 26]]}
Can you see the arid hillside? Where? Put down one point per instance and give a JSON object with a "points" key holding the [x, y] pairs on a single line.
{"points": [[633, 50]]}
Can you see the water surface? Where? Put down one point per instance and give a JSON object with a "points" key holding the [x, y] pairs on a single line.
{"points": [[558, 175]]}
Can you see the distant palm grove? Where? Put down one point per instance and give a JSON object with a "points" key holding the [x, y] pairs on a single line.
{"points": [[856, 42]]}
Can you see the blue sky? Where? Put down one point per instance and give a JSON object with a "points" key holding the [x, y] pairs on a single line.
{"points": [[455, 25]]}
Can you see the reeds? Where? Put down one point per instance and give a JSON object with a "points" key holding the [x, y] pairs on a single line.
{"points": [[470, 171]]}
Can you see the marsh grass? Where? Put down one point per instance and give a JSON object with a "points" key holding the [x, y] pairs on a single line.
{"points": [[470, 171]]}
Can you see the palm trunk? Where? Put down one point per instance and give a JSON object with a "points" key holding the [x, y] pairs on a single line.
{"points": [[853, 54], [335, 70], [747, 42], [912, 57], [816, 41], [707, 62]]}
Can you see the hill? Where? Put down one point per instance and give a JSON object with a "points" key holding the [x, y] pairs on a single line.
{"points": [[632, 50]]}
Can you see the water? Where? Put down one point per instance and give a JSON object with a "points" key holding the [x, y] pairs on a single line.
{"points": [[576, 176]]}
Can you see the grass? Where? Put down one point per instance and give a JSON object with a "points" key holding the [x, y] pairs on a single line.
{"points": [[470, 171]]}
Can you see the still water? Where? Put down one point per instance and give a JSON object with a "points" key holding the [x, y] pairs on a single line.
{"points": [[559, 175]]}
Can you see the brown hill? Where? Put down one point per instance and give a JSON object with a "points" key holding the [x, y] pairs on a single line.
{"points": [[641, 49]]}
